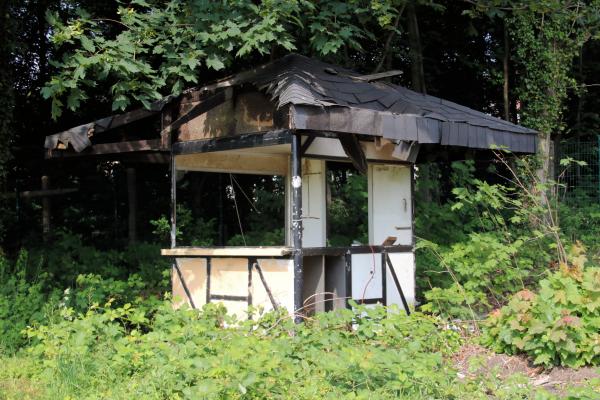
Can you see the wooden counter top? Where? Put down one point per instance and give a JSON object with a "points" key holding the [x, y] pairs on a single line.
{"points": [[229, 251]]}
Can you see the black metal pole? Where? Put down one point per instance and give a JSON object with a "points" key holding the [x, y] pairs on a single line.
{"points": [[296, 182]]}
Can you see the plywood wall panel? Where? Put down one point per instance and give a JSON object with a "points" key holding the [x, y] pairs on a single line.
{"points": [[193, 271]]}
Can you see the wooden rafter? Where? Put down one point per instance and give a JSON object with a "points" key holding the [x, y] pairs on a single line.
{"points": [[112, 148]]}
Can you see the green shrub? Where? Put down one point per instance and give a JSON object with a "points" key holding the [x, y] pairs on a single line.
{"points": [[71, 274], [582, 223], [495, 252], [484, 270], [124, 352], [92, 289], [23, 300], [560, 325], [68, 256]]}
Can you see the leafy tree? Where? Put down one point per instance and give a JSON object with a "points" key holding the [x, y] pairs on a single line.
{"points": [[162, 48], [549, 34]]}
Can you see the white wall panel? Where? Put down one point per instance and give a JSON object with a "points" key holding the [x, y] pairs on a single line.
{"points": [[390, 203]]}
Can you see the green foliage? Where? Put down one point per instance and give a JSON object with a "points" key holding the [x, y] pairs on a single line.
{"points": [[581, 223], [41, 281], [163, 47], [486, 247], [484, 271], [92, 289], [196, 231], [68, 256], [548, 35], [23, 299], [122, 352], [557, 326], [263, 224], [347, 212]]}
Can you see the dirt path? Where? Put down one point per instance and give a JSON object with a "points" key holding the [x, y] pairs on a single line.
{"points": [[472, 360]]}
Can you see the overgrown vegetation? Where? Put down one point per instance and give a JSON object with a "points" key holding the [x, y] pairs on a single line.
{"points": [[88, 321], [70, 274], [559, 325], [124, 352]]}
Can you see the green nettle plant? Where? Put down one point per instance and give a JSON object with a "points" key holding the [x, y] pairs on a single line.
{"points": [[484, 272], [505, 241], [125, 352], [559, 325], [23, 297]]}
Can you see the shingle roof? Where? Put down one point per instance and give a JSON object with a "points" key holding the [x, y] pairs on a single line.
{"points": [[327, 97]]}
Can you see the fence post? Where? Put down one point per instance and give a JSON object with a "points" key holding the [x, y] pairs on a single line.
{"points": [[598, 166]]}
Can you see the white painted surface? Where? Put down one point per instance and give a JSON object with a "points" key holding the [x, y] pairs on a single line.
{"points": [[404, 266], [363, 287], [390, 204], [314, 203], [229, 276]]}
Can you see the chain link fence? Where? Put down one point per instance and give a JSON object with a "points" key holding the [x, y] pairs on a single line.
{"points": [[578, 170]]}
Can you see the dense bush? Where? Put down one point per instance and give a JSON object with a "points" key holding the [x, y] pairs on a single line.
{"points": [[559, 325], [485, 273], [494, 251], [126, 352], [23, 300], [156, 353], [70, 274]]}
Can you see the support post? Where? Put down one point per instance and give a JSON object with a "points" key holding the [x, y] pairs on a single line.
{"points": [[296, 182], [132, 204], [46, 212], [173, 202]]}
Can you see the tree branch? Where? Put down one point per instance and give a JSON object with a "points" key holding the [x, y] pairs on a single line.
{"points": [[388, 41]]}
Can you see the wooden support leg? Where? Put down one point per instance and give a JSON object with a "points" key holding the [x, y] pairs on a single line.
{"points": [[132, 202]]}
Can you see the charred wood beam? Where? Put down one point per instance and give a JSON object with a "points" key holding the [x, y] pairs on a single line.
{"points": [[132, 205], [46, 208], [200, 108], [110, 148], [354, 151], [377, 76], [309, 140], [30, 194], [270, 138], [122, 119]]}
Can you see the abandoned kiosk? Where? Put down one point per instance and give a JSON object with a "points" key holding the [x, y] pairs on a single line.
{"points": [[294, 118]]}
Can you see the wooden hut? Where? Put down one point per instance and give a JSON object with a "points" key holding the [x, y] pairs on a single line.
{"points": [[291, 118]]}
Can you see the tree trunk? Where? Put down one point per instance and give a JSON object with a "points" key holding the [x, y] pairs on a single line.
{"points": [[545, 151], [46, 212], [416, 52], [132, 202], [505, 60]]}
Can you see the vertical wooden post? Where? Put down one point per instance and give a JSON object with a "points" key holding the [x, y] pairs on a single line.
{"points": [[173, 201], [46, 212], [296, 182], [132, 203], [221, 214], [167, 143]]}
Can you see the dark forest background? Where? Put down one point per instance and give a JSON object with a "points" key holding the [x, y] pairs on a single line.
{"points": [[462, 51]]}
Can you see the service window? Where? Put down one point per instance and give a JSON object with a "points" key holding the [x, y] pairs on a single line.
{"points": [[226, 209]]}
